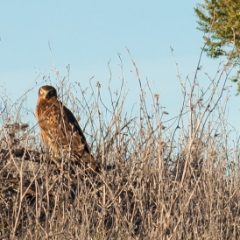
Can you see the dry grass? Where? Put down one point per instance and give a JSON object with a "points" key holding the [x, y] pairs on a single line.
{"points": [[159, 181]]}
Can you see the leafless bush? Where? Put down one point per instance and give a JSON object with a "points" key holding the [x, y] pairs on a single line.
{"points": [[159, 180]]}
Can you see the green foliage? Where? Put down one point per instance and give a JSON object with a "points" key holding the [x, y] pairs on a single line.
{"points": [[220, 21]]}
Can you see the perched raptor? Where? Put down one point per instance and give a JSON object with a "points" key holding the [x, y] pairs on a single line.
{"points": [[60, 129]]}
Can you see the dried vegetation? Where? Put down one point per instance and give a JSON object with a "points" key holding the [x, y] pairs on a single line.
{"points": [[172, 180]]}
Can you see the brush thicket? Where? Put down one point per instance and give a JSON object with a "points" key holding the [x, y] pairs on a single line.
{"points": [[159, 180]]}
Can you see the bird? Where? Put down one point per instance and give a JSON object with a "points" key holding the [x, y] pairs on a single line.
{"points": [[60, 130]]}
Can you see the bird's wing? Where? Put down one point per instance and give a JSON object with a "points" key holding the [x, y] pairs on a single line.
{"points": [[71, 124]]}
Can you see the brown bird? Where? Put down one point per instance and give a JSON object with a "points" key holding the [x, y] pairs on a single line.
{"points": [[60, 129]]}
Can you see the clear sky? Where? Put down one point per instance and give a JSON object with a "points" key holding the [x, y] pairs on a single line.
{"points": [[89, 34]]}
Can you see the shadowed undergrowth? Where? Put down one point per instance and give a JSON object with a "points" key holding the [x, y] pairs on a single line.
{"points": [[172, 180]]}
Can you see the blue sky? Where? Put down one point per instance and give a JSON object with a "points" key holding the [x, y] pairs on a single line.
{"points": [[89, 34]]}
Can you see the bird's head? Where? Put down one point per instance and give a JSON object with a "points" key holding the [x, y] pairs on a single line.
{"points": [[47, 92]]}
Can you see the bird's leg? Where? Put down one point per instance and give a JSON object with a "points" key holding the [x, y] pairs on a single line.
{"points": [[55, 155]]}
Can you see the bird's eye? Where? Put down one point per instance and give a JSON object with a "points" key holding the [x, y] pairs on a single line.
{"points": [[50, 94]]}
